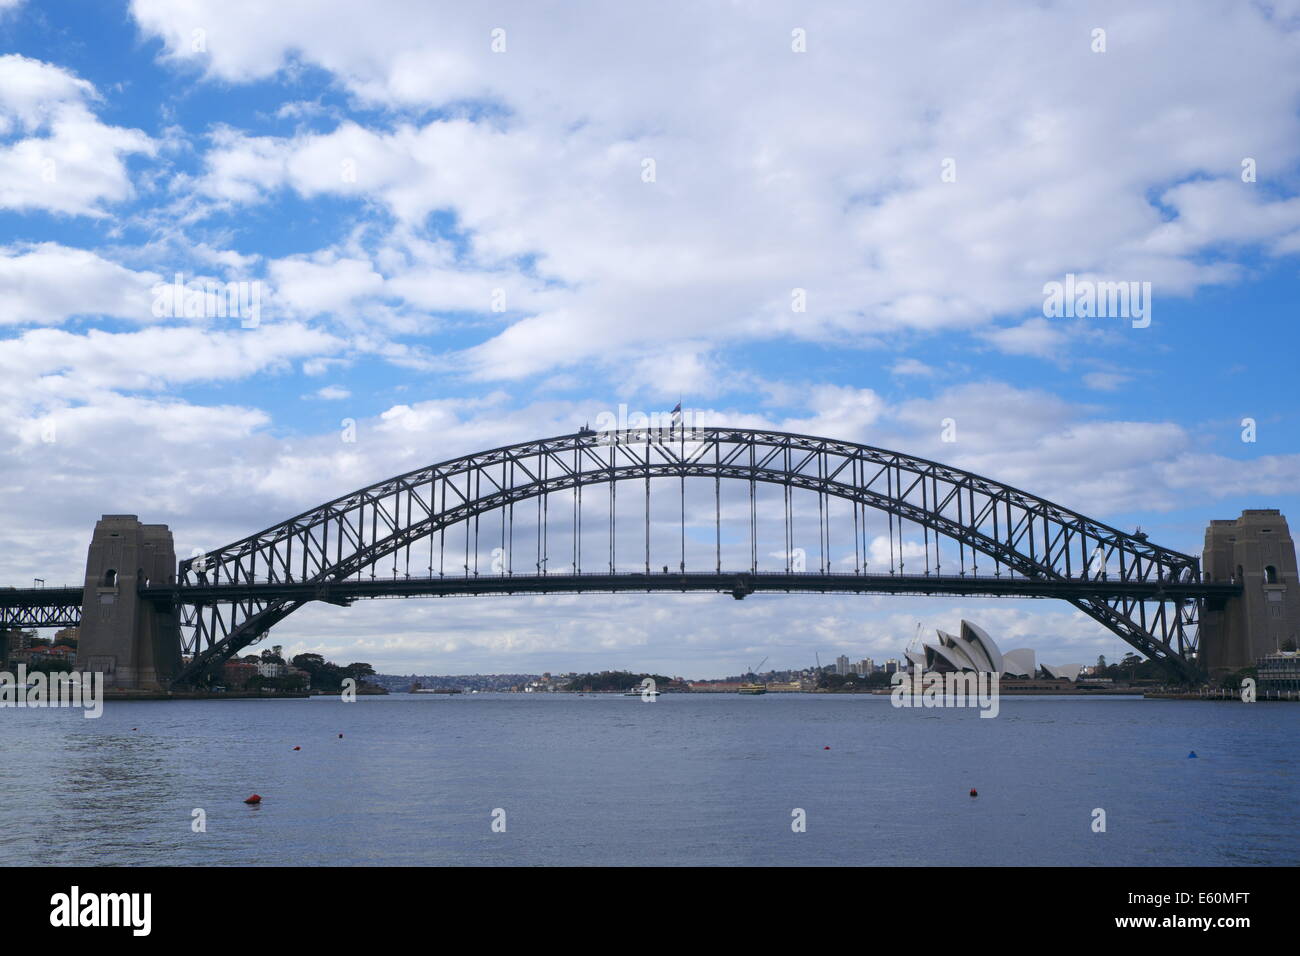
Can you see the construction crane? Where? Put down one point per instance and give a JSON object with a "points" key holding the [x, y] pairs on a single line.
{"points": [[754, 670]]}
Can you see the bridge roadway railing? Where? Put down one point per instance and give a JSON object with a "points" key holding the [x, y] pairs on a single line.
{"points": [[737, 583]]}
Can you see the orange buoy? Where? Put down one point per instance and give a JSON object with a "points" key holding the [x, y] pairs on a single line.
{"points": [[254, 799], [974, 792]]}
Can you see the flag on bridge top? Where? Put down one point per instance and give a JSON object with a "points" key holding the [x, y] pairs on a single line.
{"points": [[677, 414]]}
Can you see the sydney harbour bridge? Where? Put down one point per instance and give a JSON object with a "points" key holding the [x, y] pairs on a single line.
{"points": [[672, 509]]}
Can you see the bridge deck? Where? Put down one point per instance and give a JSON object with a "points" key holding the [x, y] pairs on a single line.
{"points": [[40, 597], [61, 606], [725, 581], [738, 583]]}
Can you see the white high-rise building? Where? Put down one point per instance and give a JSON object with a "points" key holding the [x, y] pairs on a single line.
{"points": [[842, 665]]}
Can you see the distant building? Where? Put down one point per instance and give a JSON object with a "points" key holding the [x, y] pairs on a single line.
{"points": [[17, 644], [892, 665], [974, 650], [271, 669], [237, 673], [842, 665], [866, 667], [1280, 671], [785, 687], [1068, 672]]}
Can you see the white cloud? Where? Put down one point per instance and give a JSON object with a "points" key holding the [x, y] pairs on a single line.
{"points": [[312, 285], [48, 283], [1038, 337], [78, 164], [911, 367], [1105, 381], [775, 170], [55, 365]]}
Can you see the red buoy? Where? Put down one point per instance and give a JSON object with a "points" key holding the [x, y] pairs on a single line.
{"points": [[340, 736], [826, 748], [297, 748], [254, 799], [974, 792]]}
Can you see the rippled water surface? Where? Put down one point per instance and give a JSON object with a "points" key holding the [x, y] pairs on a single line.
{"points": [[687, 779]]}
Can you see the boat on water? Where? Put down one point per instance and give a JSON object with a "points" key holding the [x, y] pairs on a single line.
{"points": [[752, 689], [641, 693]]}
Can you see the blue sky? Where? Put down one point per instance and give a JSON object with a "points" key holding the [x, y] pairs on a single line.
{"points": [[383, 173]]}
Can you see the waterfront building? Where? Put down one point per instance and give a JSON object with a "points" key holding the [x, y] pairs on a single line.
{"points": [[271, 669], [842, 665], [1019, 663], [237, 673], [1279, 671], [974, 650], [1068, 672]]}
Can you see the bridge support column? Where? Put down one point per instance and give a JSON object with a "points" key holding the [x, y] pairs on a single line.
{"points": [[135, 645], [1257, 551]]}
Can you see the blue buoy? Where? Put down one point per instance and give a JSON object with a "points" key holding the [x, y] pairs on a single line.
{"points": [[1191, 755]]}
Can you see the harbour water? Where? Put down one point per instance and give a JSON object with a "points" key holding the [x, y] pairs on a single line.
{"points": [[686, 779]]}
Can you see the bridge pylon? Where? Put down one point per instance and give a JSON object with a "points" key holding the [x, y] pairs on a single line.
{"points": [[135, 644], [1257, 552]]}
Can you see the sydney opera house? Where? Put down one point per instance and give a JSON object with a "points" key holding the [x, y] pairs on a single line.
{"points": [[975, 651]]}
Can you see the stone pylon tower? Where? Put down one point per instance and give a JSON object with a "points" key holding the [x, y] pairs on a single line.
{"points": [[1256, 550], [134, 644]]}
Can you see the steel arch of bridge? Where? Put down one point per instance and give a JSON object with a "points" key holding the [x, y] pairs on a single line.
{"points": [[1137, 589]]}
